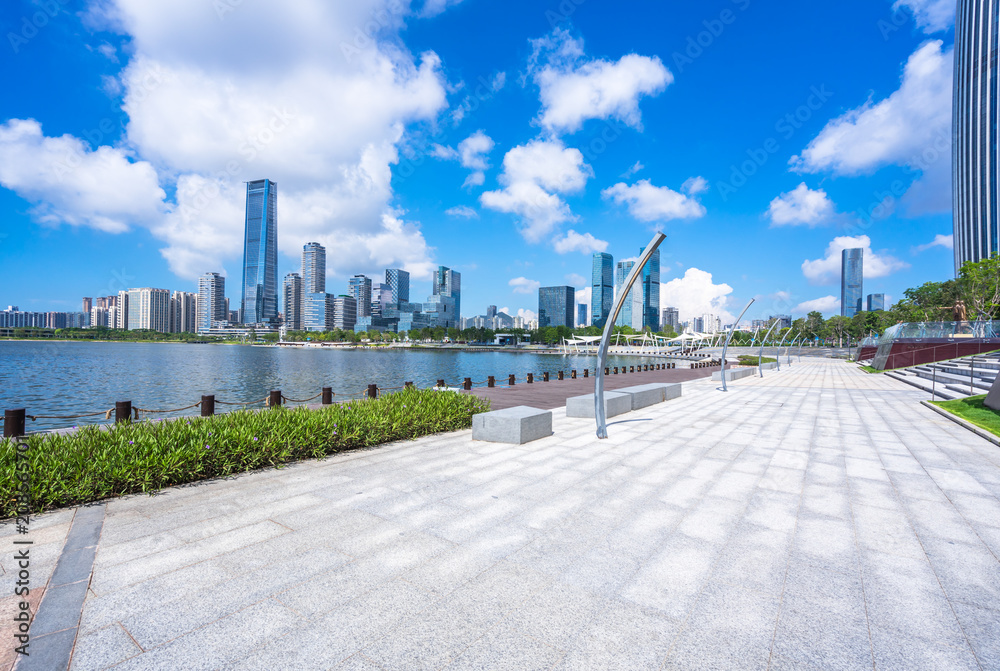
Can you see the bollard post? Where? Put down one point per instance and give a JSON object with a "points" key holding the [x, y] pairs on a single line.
{"points": [[274, 399], [531, 378], [373, 391], [491, 382], [572, 374], [123, 411], [440, 383], [467, 384], [631, 369], [586, 372], [510, 380], [560, 375], [208, 405], [408, 385], [328, 395], [616, 370], [545, 376], [13, 423]]}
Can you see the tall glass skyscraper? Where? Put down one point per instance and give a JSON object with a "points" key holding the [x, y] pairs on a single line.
{"points": [[602, 289], [313, 268], [448, 282], [399, 283], [259, 303], [975, 120], [631, 312], [851, 281], [211, 305], [651, 291], [555, 306], [359, 288]]}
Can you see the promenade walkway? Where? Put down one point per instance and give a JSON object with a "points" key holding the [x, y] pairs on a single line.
{"points": [[818, 518]]}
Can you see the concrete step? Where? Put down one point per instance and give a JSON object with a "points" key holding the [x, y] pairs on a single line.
{"points": [[963, 389], [950, 378], [940, 393]]}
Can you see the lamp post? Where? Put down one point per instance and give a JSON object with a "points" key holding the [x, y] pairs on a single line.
{"points": [[778, 355], [760, 356], [726, 346], [602, 352]]}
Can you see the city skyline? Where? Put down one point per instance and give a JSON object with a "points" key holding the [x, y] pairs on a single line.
{"points": [[435, 165]]}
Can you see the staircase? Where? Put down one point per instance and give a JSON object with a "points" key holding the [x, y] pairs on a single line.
{"points": [[957, 378]]}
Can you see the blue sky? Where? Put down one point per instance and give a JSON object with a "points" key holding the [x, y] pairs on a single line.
{"points": [[506, 140]]}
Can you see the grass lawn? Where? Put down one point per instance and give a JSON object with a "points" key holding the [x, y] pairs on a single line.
{"points": [[972, 410], [751, 360]]}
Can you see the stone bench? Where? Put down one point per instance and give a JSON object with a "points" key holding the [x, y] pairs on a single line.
{"points": [[769, 366], [615, 403], [733, 374], [645, 395], [517, 425]]}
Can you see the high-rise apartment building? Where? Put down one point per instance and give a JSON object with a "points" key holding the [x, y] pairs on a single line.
{"points": [[976, 131], [88, 303], [292, 294], [99, 317], [556, 306], [259, 304], [851, 281], [399, 283], [183, 312], [448, 282], [313, 268], [359, 288], [876, 302], [345, 312], [211, 301], [651, 291], [602, 288], [121, 314], [671, 320], [631, 312], [785, 321], [149, 309], [317, 312]]}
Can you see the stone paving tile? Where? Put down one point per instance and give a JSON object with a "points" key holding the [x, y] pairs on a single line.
{"points": [[504, 648], [102, 648]]}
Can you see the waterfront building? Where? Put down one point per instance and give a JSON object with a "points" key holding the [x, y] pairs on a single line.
{"points": [[851, 281], [876, 302], [259, 302], [211, 305], [345, 312], [106, 302], [121, 315], [313, 268], [149, 309], [581, 314], [317, 314], [183, 312], [399, 285], [555, 306], [448, 283], [99, 318], [631, 312], [602, 288], [359, 288], [651, 291], [975, 119], [292, 294], [671, 320], [88, 303], [442, 311], [77, 320]]}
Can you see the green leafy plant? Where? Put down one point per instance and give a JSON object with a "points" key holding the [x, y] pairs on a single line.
{"points": [[751, 360]]}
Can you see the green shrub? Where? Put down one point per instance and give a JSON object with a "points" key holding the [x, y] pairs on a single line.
{"points": [[751, 360], [93, 463]]}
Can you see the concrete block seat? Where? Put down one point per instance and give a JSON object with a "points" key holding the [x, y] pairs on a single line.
{"points": [[518, 425], [645, 395], [615, 403], [733, 374]]}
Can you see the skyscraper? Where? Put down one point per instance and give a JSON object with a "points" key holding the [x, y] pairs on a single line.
{"points": [[360, 289], [211, 301], [121, 314], [555, 306], [293, 301], [581, 314], [631, 313], [183, 312], [975, 119], [88, 303], [602, 288], [851, 281], [671, 320], [651, 291], [448, 282], [399, 283], [313, 268], [876, 302], [259, 303], [149, 309]]}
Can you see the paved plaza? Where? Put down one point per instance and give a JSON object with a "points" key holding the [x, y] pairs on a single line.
{"points": [[818, 518]]}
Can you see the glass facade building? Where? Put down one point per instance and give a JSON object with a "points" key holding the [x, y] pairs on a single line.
{"points": [[975, 117], [876, 302], [293, 301], [259, 303], [448, 282], [359, 288], [399, 284], [556, 306], [851, 281], [651, 291], [631, 313], [602, 289], [211, 301]]}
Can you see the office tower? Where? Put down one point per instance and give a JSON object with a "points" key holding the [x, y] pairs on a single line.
{"points": [[345, 312], [671, 320], [851, 281], [491, 311], [359, 288], [183, 312], [211, 301], [121, 316], [399, 283], [381, 297], [555, 306], [88, 303], [313, 268], [975, 118], [259, 303], [317, 311], [448, 282], [876, 302], [292, 301], [631, 312], [651, 291], [698, 324], [581, 314], [149, 309], [602, 288]]}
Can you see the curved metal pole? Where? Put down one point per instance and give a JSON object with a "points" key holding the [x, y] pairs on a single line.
{"points": [[726, 346], [788, 352], [760, 356], [754, 339], [602, 352], [780, 344]]}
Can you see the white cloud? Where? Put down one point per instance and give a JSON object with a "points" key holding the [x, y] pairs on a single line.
{"points": [[931, 15], [444, 153], [895, 130], [533, 174], [526, 315], [636, 167], [463, 211], [946, 241], [68, 182], [473, 151], [584, 243], [576, 280], [573, 90], [658, 203], [435, 7], [801, 206], [827, 269], [696, 294], [826, 305], [522, 285]]}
